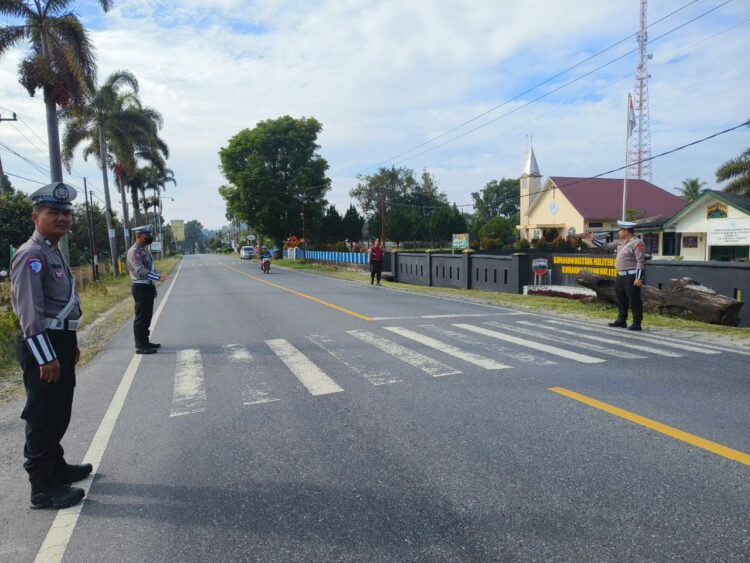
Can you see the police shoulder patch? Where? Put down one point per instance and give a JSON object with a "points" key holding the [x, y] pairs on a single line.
{"points": [[639, 247], [35, 265]]}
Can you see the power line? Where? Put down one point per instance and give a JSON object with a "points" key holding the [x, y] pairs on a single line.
{"points": [[495, 119], [532, 88], [23, 178]]}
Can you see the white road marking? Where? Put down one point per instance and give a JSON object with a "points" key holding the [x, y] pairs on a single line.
{"points": [[531, 344], [310, 375], [237, 353], [472, 358], [489, 346], [58, 537], [650, 338], [571, 342], [350, 357], [189, 395], [256, 391], [414, 359], [621, 343], [450, 316]]}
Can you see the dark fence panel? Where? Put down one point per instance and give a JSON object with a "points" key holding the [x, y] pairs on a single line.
{"points": [[493, 273], [413, 268], [449, 271]]}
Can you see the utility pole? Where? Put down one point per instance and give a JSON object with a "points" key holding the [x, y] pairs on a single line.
{"points": [[89, 215], [93, 237], [14, 118], [382, 220]]}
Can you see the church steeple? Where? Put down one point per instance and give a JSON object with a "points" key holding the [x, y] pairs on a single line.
{"points": [[531, 186]]}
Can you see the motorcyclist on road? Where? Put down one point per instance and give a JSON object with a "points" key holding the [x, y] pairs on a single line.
{"points": [[265, 255]]}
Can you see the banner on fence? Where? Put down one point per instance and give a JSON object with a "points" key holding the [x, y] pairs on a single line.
{"points": [[572, 264]]}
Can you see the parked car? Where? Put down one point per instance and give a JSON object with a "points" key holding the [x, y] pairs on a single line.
{"points": [[247, 253]]}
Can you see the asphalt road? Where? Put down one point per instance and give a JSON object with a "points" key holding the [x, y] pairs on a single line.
{"points": [[292, 417]]}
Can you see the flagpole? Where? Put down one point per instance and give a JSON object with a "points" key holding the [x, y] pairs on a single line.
{"points": [[625, 178]]}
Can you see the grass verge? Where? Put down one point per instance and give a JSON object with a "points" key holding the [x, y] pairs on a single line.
{"points": [[105, 306], [539, 303]]}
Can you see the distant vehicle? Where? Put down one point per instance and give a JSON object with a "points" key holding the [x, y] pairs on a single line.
{"points": [[247, 253]]}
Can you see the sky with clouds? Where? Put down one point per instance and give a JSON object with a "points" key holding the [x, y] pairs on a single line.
{"points": [[385, 76]]}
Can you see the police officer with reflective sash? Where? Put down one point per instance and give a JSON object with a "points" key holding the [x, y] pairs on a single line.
{"points": [[43, 295], [143, 278], [630, 262]]}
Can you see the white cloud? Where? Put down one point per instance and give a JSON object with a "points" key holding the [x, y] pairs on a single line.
{"points": [[385, 76]]}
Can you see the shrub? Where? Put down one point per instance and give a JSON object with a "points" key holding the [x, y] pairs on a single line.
{"points": [[541, 243], [489, 243], [560, 244], [339, 247], [522, 244]]}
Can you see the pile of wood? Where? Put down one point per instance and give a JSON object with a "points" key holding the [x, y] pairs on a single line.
{"points": [[684, 298]]}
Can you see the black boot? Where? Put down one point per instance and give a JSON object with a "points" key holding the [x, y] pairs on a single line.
{"points": [[635, 326], [55, 496], [154, 345], [147, 350], [68, 474], [619, 323]]}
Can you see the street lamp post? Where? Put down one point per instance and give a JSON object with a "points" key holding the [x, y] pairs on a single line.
{"points": [[161, 221]]}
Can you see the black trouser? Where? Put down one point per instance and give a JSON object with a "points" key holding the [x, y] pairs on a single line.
{"points": [[376, 269], [628, 296], [48, 407], [144, 295]]}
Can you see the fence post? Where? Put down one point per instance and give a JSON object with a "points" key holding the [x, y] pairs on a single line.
{"points": [[429, 269], [394, 265], [520, 271], [466, 262]]}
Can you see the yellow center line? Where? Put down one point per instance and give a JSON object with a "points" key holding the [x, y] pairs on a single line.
{"points": [[692, 439], [300, 294]]}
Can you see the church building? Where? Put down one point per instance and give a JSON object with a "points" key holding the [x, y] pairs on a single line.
{"points": [[565, 206]]}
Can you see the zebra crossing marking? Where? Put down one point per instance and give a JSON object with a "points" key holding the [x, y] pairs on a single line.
{"points": [[309, 374], [583, 358], [580, 344], [350, 358], [472, 358], [698, 348], [414, 359], [189, 395], [255, 390], [623, 344], [489, 346]]}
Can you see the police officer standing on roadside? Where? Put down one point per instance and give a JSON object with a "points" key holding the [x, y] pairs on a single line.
{"points": [[143, 278], [630, 262], [43, 295]]}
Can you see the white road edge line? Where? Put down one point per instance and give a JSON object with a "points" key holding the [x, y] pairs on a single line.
{"points": [[310, 375], [531, 344], [455, 351], [57, 539]]}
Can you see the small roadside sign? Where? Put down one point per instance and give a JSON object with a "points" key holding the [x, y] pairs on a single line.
{"points": [[460, 241], [156, 246], [251, 238]]}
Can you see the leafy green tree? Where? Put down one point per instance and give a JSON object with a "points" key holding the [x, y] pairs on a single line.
{"points": [[276, 176], [497, 199], [332, 226], [737, 171], [15, 224], [445, 222], [691, 189], [195, 239], [390, 185], [6, 188], [352, 224], [499, 228]]}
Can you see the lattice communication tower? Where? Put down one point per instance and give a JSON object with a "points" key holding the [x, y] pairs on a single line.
{"points": [[640, 141]]}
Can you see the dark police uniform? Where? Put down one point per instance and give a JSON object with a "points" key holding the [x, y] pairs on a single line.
{"points": [[44, 299], [630, 262], [143, 278]]}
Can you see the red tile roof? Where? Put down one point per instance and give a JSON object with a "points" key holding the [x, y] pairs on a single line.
{"points": [[601, 198]]}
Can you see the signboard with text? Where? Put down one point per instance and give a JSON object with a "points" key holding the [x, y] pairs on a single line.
{"points": [[729, 232], [178, 229], [460, 241], [573, 264]]}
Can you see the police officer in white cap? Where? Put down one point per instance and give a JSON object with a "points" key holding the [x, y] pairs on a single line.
{"points": [[43, 295], [143, 278], [630, 262]]}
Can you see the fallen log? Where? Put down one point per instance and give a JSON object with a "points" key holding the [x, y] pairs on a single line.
{"points": [[685, 298]]}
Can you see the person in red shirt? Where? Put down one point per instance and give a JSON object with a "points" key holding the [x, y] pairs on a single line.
{"points": [[376, 261]]}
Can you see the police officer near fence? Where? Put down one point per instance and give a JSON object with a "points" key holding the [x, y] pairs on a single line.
{"points": [[43, 296], [143, 278], [630, 262]]}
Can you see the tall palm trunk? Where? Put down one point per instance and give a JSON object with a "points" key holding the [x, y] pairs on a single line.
{"points": [[136, 207], [125, 216], [108, 202], [53, 142]]}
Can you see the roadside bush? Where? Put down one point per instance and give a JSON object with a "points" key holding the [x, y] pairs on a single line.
{"points": [[522, 244], [491, 243], [339, 247], [560, 244], [541, 243]]}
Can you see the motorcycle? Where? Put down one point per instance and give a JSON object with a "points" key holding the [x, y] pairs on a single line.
{"points": [[265, 265]]}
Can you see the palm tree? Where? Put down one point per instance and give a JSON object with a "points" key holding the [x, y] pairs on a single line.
{"points": [[106, 117], [691, 189], [61, 62], [738, 171], [155, 179]]}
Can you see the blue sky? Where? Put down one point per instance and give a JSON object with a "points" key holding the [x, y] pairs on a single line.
{"points": [[384, 76]]}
